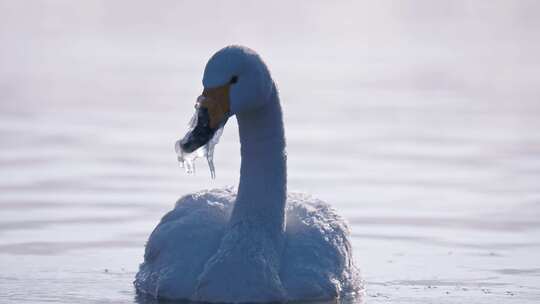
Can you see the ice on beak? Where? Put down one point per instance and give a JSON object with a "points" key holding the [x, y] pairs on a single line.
{"points": [[199, 141]]}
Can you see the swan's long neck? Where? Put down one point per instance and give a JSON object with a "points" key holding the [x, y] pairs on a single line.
{"points": [[263, 174]]}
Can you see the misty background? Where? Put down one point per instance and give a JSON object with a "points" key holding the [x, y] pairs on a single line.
{"points": [[62, 53]]}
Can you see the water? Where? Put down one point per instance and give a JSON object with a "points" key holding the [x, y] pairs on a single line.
{"points": [[426, 143]]}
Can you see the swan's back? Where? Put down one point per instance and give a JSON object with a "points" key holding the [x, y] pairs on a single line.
{"points": [[316, 261]]}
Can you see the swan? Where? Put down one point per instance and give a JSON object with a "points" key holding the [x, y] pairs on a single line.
{"points": [[259, 243]]}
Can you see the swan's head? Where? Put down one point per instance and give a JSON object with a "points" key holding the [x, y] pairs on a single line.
{"points": [[235, 80]]}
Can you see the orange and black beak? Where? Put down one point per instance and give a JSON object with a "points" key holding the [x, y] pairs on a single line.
{"points": [[213, 110]]}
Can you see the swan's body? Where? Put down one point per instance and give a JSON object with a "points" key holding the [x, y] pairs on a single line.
{"points": [[315, 262], [260, 244]]}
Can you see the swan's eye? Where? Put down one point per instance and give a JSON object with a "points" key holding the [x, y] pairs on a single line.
{"points": [[233, 80]]}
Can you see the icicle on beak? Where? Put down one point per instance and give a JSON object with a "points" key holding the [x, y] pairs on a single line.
{"points": [[205, 128]]}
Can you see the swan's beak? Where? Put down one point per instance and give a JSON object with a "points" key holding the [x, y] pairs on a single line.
{"points": [[212, 114], [218, 110]]}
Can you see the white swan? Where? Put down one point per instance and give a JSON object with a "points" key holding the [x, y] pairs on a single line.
{"points": [[260, 244]]}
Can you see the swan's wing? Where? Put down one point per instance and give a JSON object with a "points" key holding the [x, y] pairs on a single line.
{"points": [[318, 256], [182, 242], [194, 214]]}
